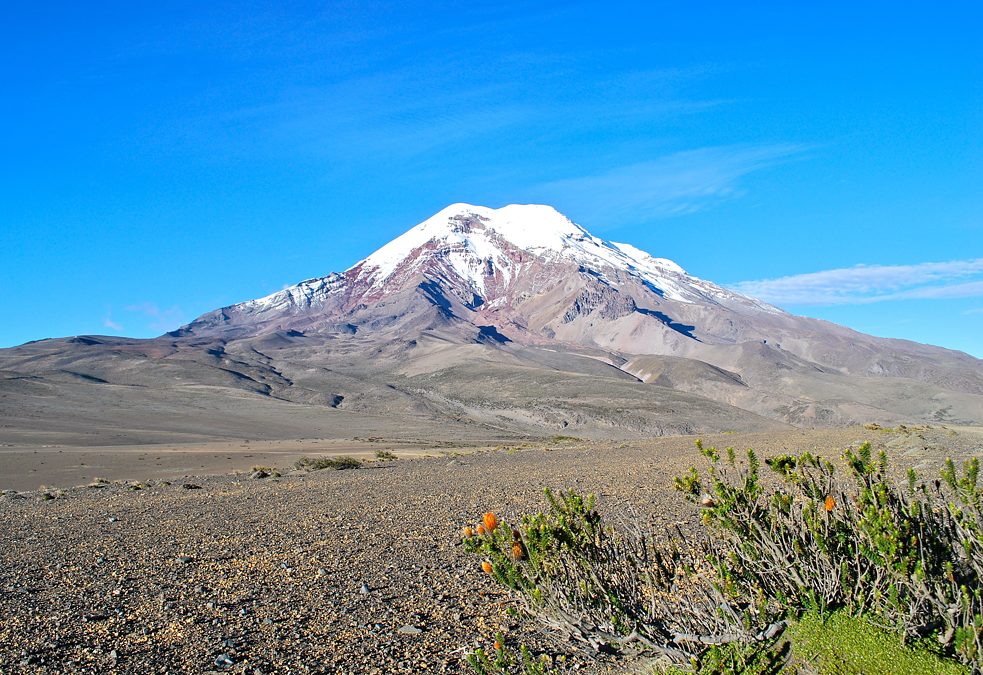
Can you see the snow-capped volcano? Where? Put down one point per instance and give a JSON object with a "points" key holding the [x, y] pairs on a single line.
{"points": [[477, 240], [526, 276], [510, 320], [482, 254]]}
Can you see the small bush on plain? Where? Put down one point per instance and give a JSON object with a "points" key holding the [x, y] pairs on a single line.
{"points": [[321, 463]]}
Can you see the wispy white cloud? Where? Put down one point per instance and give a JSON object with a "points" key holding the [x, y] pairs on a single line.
{"points": [[160, 319], [872, 283], [676, 184], [108, 322], [355, 103]]}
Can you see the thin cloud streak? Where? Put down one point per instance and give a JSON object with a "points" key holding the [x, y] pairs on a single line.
{"points": [[676, 184], [161, 320], [866, 284]]}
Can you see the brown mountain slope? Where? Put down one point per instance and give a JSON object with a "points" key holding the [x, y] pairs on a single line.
{"points": [[508, 322]]}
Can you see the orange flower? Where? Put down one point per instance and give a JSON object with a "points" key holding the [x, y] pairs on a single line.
{"points": [[481, 530], [517, 551], [498, 645], [490, 521], [468, 532], [487, 566], [830, 503]]}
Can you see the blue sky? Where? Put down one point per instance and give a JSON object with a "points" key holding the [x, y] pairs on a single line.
{"points": [[160, 162]]}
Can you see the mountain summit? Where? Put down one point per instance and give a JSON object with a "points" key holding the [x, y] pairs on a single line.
{"points": [[487, 248], [479, 259], [492, 322]]}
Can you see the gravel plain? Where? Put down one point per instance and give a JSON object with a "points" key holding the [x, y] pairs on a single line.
{"points": [[357, 571]]}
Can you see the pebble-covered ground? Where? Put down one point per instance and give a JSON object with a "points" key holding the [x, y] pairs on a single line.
{"points": [[355, 571]]}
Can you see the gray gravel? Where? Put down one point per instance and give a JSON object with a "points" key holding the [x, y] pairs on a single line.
{"points": [[333, 571]]}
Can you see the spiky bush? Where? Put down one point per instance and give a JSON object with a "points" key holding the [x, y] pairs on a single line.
{"points": [[909, 556], [615, 589], [906, 556]]}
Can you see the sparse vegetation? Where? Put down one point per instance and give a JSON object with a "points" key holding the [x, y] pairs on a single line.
{"points": [[900, 429], [501, 659], [613, 590], [385, 455], [908, 557], [47, 493], [511, 449], [821, 570], [260, 472], [322, 463], [517, 446]]}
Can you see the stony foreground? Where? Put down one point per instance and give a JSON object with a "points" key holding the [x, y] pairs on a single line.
{"points": [[331, 571]]}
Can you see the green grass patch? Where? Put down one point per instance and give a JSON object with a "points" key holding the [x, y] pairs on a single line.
{"points": [[321, 463], [841, 644]]}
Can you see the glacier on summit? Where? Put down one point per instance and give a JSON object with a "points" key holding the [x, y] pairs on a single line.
{"points": [[473, 243]]}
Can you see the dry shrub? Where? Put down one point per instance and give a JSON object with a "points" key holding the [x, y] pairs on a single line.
{"points": [[908, 558]]}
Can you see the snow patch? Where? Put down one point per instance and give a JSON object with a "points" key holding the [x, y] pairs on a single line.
{"points": [[470, 243]]}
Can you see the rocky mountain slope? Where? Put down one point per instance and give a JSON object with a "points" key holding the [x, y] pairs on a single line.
{"points": [[489, 322]]}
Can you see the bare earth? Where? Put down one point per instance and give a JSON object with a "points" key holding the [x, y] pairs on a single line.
{"points": [[31, 467], [265, 575]]}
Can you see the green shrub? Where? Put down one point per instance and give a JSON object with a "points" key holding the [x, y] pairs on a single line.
{"points": [[385, 455], [910, 557], [503, 660], [320, 463], [615, 590], [907, 558]]}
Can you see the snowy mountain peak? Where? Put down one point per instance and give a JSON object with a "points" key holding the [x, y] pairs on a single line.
{"points": [[531, 227], [483, 251], [471, 240]]}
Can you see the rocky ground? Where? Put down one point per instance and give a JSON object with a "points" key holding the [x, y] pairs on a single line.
{"points": [[329, 571]]}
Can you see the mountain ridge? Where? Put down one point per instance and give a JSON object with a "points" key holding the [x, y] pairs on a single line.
{"points": [[511, 321]]}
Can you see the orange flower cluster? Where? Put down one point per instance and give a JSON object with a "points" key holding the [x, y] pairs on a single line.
{"points": [[829, 504], [489, 523]]}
